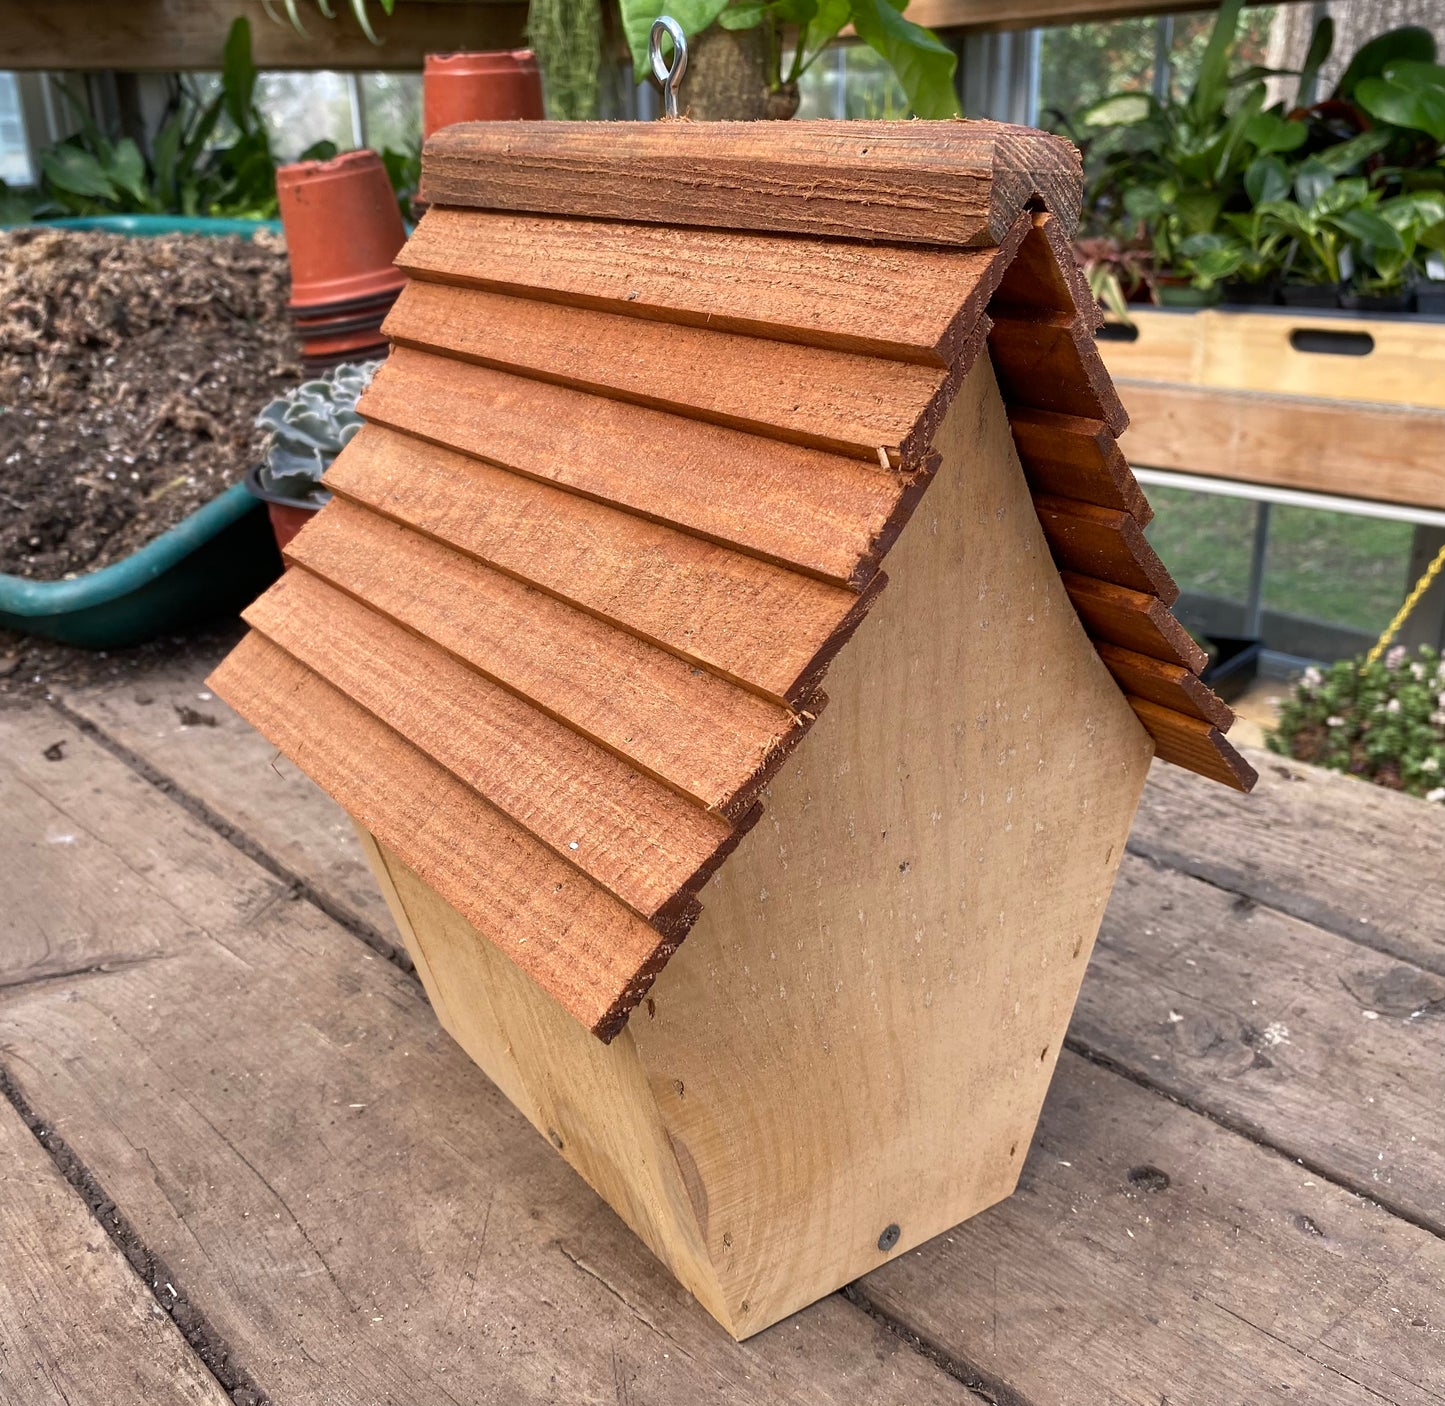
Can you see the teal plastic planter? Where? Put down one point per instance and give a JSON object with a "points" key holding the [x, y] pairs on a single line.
{"points": [[214, 562]]}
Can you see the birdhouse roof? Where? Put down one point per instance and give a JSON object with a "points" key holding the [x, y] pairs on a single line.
{"points": [[660, 399]]}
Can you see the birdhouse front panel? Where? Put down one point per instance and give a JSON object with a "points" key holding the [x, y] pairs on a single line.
{"points": [[667, 406]]}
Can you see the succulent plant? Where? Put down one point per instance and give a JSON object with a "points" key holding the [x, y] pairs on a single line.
{"points": [[309, 427]]}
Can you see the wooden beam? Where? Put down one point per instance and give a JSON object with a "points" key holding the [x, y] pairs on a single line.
{"points": [[982, 15], [166, 35], [949, 183], [1384, 453]]}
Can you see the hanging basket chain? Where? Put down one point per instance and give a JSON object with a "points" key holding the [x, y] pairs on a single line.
{"points": [[1427, 578]]}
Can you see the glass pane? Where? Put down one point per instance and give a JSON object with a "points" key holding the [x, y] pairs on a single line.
{"points": [[1337, 568], [14, 153], [301, 109], [1081, 63], [392, 103], [1191, 34], [850, 80], [1205, 539]]}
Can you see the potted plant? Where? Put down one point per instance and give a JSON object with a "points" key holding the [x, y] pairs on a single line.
{"points": [[309, 427], [1381, 720]]}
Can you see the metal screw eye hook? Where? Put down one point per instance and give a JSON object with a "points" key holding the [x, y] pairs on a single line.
{"points": [[669, 75]]}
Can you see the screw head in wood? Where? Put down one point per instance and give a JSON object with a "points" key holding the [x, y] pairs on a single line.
{"points": [[889, 1238]]}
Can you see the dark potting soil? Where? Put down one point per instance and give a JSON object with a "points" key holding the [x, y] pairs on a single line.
{"points": [[131, 374]]}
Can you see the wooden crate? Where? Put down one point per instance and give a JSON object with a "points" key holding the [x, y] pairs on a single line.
{"points": [[1328, 403], [621, 509]]}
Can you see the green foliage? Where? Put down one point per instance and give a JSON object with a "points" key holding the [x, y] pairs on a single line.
{"points": [[923, 63], [1221, 187], [1383, 721], [309, 427], [187, 173], [358, 9], [567, 38]]}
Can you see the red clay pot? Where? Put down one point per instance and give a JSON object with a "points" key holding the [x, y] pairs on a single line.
{"points": [[343, 229], [488, 87]]}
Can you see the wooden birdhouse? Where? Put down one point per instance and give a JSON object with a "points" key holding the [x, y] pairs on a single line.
{"points": [[734, 635]]}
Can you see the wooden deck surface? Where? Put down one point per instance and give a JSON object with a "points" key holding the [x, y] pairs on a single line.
{"points": [[239, 1159]]}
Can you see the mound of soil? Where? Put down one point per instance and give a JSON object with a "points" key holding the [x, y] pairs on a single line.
{"points": [[131, 372]]}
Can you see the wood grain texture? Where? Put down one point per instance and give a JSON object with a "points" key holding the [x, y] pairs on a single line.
{"points": [[1313, 844], [207, 753], [822, 513], [948, 183], [1152, 1256], [591, 954], [838, 401], [635, 837], [1379, 452], [111, 877], [1050, 362], [1195, 744], [76, 1324], [1288, 352], [1330, 1052], [755, 623], [1171, 686], [166, 36], [1074, 457], [861, 950], [698, 733], [362, 1217], [910, 303], [1103, 542], [1133, 620]]}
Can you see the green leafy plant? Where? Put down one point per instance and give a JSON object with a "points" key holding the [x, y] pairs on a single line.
{"points": [[192, 168], [357, 8], [309, 427], [1384, 721], [923, 63]]}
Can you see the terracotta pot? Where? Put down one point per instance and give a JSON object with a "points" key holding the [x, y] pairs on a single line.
{"points": [[288, 515], [487, 87], [343, 229]]}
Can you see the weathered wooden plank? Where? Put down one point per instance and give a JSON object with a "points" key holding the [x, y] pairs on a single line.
{"points": [[951, 183], [756, 623], [1329, 1051], [1134, 620], [1388, 453], [76, 1324], [631, 834], [822, 513], [914, 304], [1105, 543], [833, 400], [1355, 859], [159, 35], [94, 870], [172, 723], [1044, 276], [1050, 362], [708, 738], [579, 943], [1193, 743], [362, 1217], [1169, 685], [1150, 1255], [1072, 457]]}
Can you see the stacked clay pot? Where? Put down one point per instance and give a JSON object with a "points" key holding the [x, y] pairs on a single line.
{"points": [[503, 86], [343, 231]]}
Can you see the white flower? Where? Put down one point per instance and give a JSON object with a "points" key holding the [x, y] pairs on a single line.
{"points": [[1417, 671], [1334, 722], [1394, 657], [1430, 764], [1311, 678], [1438, 794], [1393, 706]]}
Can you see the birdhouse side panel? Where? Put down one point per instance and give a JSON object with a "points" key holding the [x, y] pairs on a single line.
{"points": [[860, 1030]]}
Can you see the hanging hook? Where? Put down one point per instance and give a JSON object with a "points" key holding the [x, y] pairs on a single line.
{"points": [[669, 75]]}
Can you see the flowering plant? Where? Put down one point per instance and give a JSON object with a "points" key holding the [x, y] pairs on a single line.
{"points": [[1383, 721]]}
